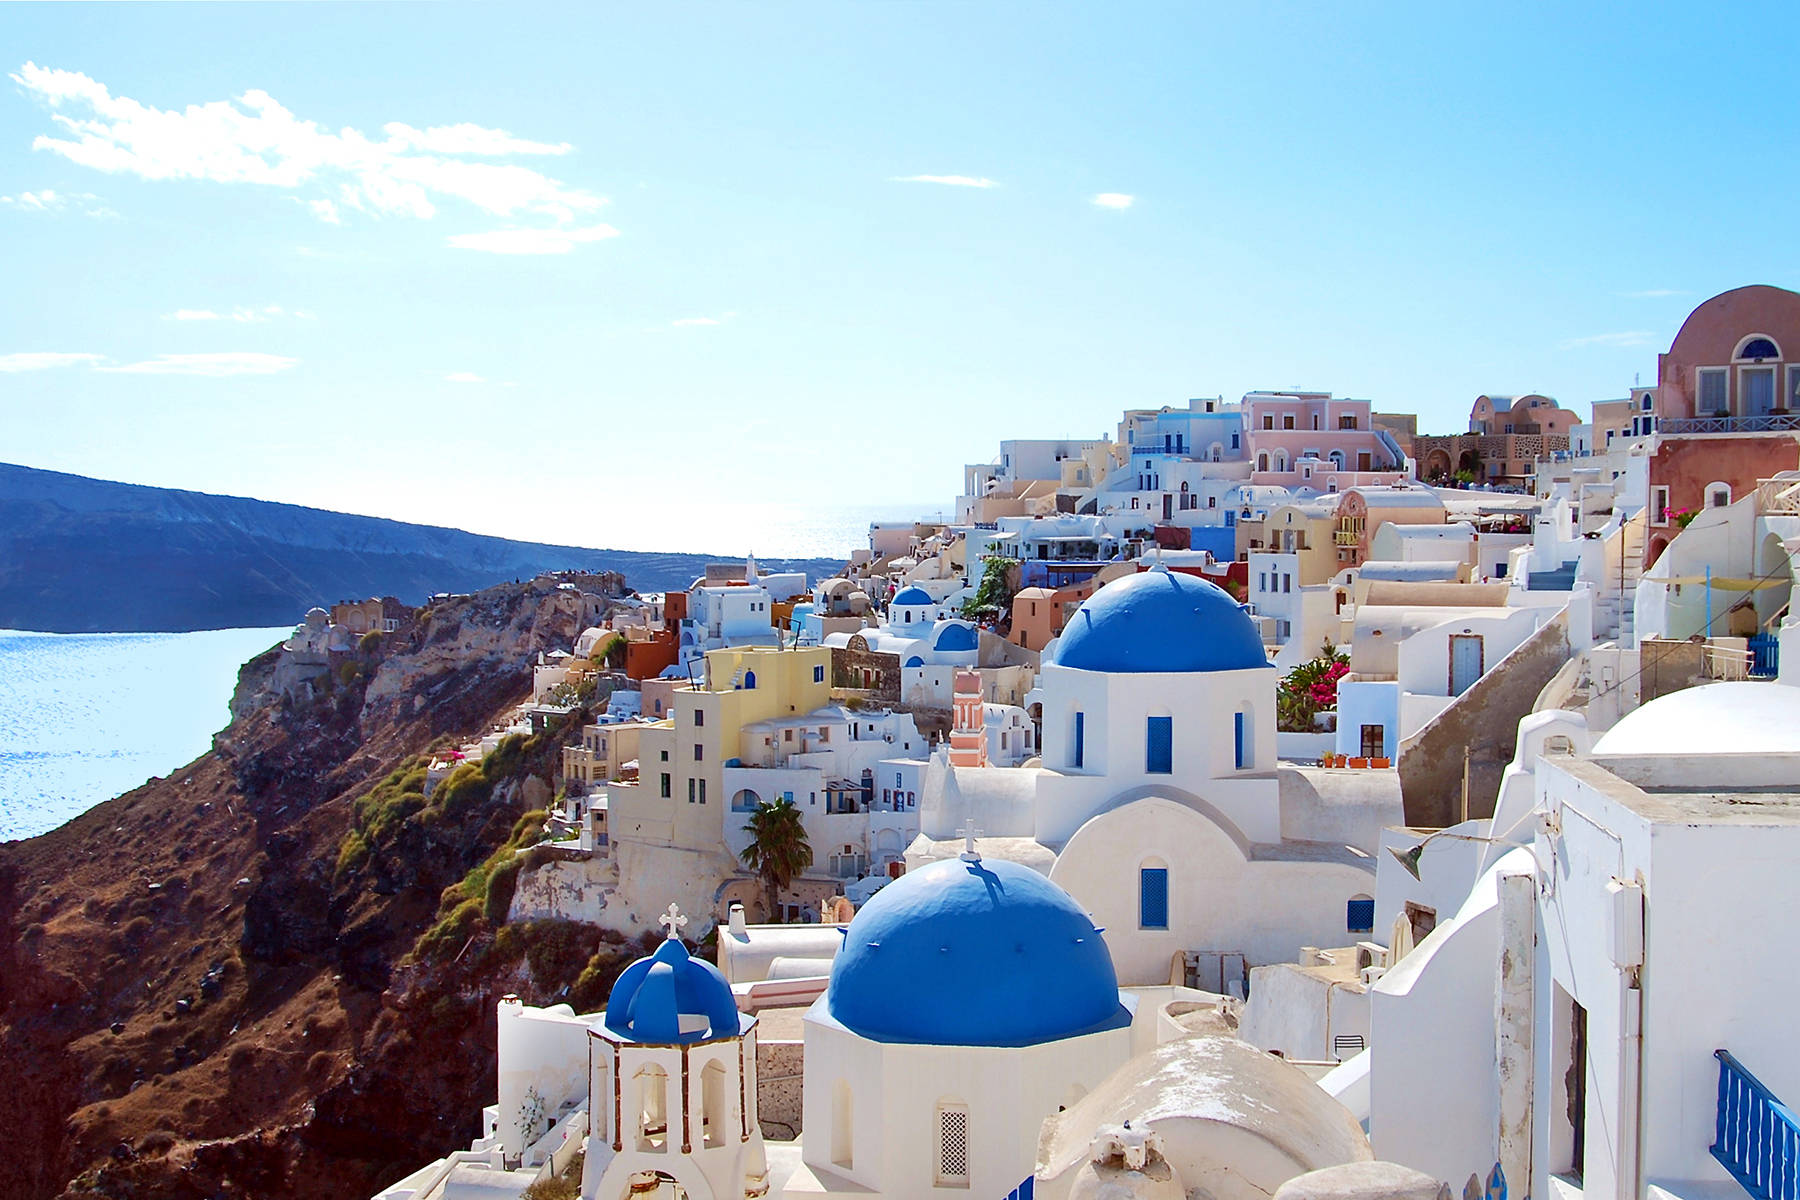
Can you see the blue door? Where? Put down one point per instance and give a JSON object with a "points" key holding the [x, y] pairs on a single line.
{"points": [[1466, 652]]}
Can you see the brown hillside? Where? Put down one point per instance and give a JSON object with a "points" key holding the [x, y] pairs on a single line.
{"points": [[200, 997]]}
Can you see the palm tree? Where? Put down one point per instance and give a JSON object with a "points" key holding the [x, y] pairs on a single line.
{"points": [[778, 849]]}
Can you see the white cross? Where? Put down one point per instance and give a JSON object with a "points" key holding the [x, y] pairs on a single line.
{"points": [[970, 833], [672, 921]]}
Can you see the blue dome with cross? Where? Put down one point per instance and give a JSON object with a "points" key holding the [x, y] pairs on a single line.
{"points": [[1160, 621], [671, 997], [981, 952]]}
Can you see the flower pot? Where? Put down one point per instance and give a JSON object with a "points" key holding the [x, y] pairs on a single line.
{"points": [[1359, 763], [1379, 762]]}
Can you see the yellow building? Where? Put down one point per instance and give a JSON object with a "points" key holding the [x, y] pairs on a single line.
{"points": [[668, 830]]}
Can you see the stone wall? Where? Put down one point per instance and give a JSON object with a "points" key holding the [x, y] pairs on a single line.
{"points": [[1479, 729], [881, 684], [778, 1089]]}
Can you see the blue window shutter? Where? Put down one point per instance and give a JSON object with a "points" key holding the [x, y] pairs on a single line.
{"points": [[1360, 916], [1159, 746], [1238, 734], [1080, 722], [1153, 898]]}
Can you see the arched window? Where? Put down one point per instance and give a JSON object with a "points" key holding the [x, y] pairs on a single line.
{"points": [[652, 1108], [1337, 460], [713, 1105], [1359, 914], [1757, 348], [1281, 460], [1159, 745], [1262, 460], [749, 681], [952, 1144], [1718, 494]]}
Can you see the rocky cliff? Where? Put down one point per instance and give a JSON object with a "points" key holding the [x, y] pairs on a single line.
{"points": [[82, 555], [273, 972]]}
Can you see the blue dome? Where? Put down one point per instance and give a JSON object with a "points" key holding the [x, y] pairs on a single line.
{"points": [[1160, 621], [913, 595], [985, 953], [655, 996], [956, 637]]}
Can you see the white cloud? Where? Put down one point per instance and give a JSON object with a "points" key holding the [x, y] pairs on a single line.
{"points": [[43, 361], [974, 181], [1612, 341], [245, 316], [213, 365], [531, 241], [685, 321], [253, 139], [463, 377], [50, 200], [468, 139], [1113, 200]]}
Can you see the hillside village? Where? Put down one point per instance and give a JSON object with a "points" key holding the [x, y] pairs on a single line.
{"points": [[1264, 799]]}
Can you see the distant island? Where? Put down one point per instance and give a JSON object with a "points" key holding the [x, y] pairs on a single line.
{"points": [[80, 555]]}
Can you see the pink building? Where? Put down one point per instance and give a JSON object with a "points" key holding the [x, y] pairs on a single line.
{"points": [[1310, 439]]}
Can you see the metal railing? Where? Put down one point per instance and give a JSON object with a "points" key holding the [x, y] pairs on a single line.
{"points": [[1770, 423], [1757, 1138]]}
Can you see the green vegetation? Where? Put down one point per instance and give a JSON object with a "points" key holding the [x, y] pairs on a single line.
{"points": [[1309, 689], [995, 591], [778, 849], [609, 653], [369, 644], [574, 693]]}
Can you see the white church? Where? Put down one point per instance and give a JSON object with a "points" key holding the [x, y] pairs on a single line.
{"points": [[1157, 801]]}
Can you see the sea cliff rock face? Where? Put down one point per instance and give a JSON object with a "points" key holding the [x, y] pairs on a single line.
{"points": [[200, 995]]}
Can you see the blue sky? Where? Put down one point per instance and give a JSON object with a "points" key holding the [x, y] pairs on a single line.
{"points": [[742, 308]]}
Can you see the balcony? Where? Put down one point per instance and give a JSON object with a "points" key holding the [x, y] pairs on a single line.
{"points": [[1769, 423], [1346, 537], [1756, 1138]]}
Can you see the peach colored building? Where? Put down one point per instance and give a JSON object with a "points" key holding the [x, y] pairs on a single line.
{"points": [[1362, 511], [1507, 436]]}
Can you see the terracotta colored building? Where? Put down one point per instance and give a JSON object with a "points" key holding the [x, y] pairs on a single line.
{"points": [[1728, 395], [1507, 436]]}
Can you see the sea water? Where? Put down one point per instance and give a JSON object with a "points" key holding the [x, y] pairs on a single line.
{"points": [[87, 716]]}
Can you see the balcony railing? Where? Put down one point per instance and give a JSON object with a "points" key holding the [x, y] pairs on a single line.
{"points": [[1771, 423], [1757, 1137]]}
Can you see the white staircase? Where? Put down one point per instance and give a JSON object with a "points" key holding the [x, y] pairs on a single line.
{"points": [[1616, 617]]}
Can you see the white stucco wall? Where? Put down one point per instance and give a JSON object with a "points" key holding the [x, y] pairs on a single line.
{"points": [[895, 1091], [1219, 899]]}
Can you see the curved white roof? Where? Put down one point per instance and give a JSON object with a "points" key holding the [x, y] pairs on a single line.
{"points": [[1715, 718]]}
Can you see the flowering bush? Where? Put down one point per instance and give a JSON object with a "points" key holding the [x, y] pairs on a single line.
{"points": [[1683, 517], [1309, 689]]}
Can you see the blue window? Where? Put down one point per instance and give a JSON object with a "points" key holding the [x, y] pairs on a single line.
{"points": [[1153, 898], [1159, 746], [1243, 744], [749, 681], [818, 674], [1075, 758], [1359, 915]]}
